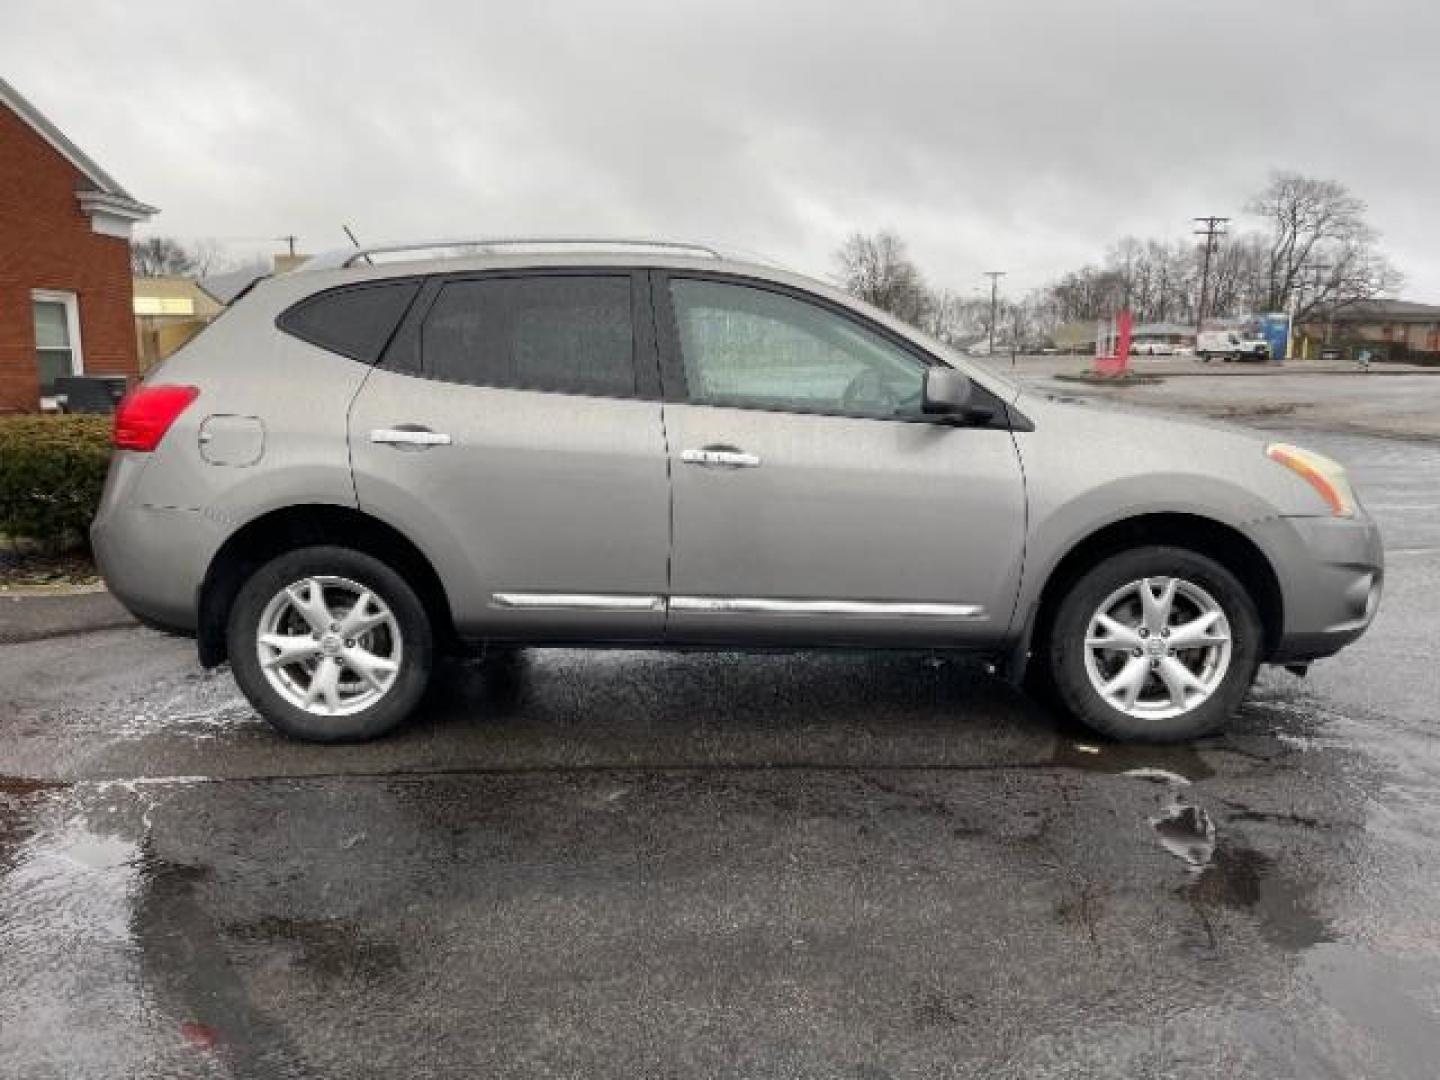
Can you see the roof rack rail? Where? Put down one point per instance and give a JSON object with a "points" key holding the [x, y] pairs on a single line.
{"points": [[460, 248]]}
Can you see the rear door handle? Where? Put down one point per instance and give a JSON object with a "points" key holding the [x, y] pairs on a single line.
{"points": [[407, 436], [720, 457]]}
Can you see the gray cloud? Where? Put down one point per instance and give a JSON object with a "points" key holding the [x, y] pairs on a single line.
{"points": [[1024, 136]]}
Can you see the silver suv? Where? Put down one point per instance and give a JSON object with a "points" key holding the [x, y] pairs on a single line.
{"points": [[387, 455]]}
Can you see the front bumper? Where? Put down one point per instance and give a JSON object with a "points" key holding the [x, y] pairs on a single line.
{"points": [[1331, 573]]}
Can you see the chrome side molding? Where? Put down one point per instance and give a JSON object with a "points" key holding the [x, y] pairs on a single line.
{"points": [[736, 605], [577, 601], [733, 605]]}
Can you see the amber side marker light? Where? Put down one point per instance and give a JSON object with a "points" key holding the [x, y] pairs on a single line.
{"points": [[145, 414], [1325, 476]]}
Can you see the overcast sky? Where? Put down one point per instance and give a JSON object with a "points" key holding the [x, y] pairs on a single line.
{"points": [[1023, 136]]}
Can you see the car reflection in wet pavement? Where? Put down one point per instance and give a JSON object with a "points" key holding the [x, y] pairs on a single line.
{"points": [[805, 865]]}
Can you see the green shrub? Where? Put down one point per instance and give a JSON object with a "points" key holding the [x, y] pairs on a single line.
{"points": [[52, 469]]}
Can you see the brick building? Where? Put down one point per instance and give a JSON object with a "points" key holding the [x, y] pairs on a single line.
{"points": [[65, 288], [1386, 329]]}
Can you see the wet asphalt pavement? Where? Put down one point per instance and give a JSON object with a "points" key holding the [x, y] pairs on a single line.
{"points": [[640, 864]]}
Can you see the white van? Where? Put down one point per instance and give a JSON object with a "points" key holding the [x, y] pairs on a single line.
{"points": [[1230, 345]]}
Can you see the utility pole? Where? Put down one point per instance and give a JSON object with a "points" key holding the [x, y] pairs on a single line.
{"points": [[1212, 229], [290, 240], [994, 276]]}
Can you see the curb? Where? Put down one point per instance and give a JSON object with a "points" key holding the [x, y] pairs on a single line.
{"points": [[1257, 372], [39, 617], [1214, 370]]}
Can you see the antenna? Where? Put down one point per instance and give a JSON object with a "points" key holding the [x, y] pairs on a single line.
{"points": [[351, 235]]}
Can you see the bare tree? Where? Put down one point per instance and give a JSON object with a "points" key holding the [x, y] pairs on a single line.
{"points": [[161, 256], [211, 257], [1319, 236], [1239, 276], [878, 270], [948, 318], [1041, 317], [158, 256], [1317, 252]]}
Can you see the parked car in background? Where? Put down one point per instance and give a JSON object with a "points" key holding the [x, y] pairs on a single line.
{"points": [[641, 444], [1230, 345], [1152, 348]]}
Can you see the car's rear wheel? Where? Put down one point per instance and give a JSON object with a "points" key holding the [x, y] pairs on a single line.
{"points": [[1156, 644], [330, 645]]}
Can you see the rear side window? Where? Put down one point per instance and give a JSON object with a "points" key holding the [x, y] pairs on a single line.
{"points": [[562, 333], [354, 321]]}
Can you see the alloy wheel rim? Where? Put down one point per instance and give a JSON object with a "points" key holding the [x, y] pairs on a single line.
{"points": [[1157, 648], [329, 645]]}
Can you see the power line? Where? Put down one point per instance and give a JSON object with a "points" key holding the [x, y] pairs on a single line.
{"points": [[1212, 229]]}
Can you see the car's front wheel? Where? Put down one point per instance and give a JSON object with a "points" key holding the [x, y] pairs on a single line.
{"points": [[330, 645], [1157, 644]]}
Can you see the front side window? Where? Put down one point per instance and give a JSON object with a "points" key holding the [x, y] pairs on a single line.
{"points": [[559, 333], [749, 347], [57, 348]]}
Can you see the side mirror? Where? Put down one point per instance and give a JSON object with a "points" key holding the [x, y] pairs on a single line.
{"points": [[950, 393]]}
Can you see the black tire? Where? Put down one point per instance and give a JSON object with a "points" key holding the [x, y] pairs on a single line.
{"points": [[1066, 644], [417, 658]]}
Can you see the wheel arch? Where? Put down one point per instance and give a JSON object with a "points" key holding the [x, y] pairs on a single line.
{"points": [[273, 533], [1204, 535]]}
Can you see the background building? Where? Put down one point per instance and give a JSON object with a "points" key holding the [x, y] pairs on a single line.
{"points": [[1400, 330], [169, 311], [1081, 337], [65, 289]]}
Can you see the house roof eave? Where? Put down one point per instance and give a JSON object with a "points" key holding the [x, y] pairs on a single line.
{"points": [[123, 204], [119, 205]]}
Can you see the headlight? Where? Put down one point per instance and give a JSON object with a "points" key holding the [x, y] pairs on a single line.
{"points": [[1325, 476]]}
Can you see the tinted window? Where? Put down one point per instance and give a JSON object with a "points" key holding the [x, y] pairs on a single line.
{"points": [[355, 321], [752, 347], [560, 333]]}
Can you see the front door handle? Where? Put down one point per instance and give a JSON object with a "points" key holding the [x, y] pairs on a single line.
{"points": [[724, 457], [409, 436]]}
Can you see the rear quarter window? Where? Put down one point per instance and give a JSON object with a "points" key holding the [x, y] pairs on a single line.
{"points": [[355, 320]]}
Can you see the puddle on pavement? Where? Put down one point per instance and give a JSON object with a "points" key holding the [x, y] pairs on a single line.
{"points": [[70, 878], [1186, 831], [1229, 874], [198, 705], [1162, 764], [327, 948], [1245, 879], [206, 707], [68, 957], [108, 949]]}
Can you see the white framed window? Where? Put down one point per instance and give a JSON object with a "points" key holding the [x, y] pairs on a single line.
{"points": [[57, 337]]}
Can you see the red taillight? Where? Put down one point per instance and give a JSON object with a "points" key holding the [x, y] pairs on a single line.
{"points": [[146, 413]]}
